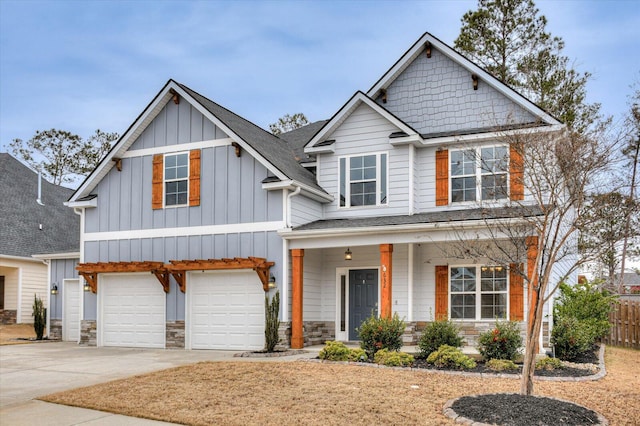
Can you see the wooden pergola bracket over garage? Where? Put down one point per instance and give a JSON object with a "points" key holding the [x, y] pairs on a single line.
{"points": [[90, 271], [177, 268]]}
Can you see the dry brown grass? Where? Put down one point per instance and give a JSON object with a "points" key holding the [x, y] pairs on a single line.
{"points": [[240, 393], [9, 333]]}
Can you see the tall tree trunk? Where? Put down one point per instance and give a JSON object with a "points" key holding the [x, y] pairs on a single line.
{"points": [[632, 191], [531, 347]]}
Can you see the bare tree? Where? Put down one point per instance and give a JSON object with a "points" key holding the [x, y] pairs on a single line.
{"points": [[287, 123], [541, 227]]}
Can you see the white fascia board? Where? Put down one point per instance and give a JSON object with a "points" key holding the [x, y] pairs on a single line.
{"points": [[53, 256], [255, 154], [346, 111], [480, 137], [487, 78], [308, 191], [86, 204], [325, 149], [283, 184], [415, 140], [21, 258]]}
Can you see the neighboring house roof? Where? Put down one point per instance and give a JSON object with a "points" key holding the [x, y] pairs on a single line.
{"points": [[630, 278], [274, 152], [299, 137], [21, 215], [422, 218]]}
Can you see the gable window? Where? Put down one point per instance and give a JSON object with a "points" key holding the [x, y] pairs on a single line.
{"points": [[479, 174], [478, 293], [176, 179], [363, 180]]}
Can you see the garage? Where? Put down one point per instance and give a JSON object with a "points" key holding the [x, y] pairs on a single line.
{"points": [[225, 310], [132, 311]]}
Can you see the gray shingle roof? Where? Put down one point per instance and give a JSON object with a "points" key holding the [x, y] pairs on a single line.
{"points": [[21, 215], [298, 138], [277, 151], [431, 217]]}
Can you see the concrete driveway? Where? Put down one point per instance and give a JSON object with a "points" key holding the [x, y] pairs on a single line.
{"points": [[32, 370]]}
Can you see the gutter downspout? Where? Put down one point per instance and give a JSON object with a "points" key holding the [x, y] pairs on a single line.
{"points": [[286, 258], [80, 212]]}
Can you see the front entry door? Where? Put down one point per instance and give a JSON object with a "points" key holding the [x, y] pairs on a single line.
{"points": [[363, 298]]}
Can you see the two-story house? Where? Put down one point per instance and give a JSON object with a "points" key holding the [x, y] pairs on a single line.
{"points": [[196, 213]]}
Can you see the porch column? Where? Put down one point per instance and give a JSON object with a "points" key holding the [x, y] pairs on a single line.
{"points": [[297, 338], [386, 259]]}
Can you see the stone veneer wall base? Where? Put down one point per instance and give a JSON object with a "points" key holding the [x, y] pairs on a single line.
{"points": [[55, 329], [8, 316], [174, 337], [88, 334]]}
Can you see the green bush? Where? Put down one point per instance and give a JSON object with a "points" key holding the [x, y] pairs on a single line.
{"points": [[393, 358], [571, 338], [548, 363], [501, 365], [39, 317], [438, 333], [337, 351], [449, 357], [381, 333], [503, 342], [272, 323], [588, 304]]}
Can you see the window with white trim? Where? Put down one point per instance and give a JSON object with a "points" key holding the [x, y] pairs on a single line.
{"points": [[176, 179], [478, 293], [363, 180], [479, 173]]}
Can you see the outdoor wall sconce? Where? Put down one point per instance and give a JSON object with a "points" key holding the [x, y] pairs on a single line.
{"points": [[272, 281], [474, 78], [348, 255], [86, 286], [54, 289]]}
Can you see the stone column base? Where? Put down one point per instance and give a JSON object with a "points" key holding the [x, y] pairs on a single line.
{"points": [[88, 333], [174, 335]]}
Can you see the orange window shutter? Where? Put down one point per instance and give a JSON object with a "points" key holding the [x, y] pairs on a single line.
{"points": [[157, 191], [516, 172], [442, 178], [194, 177], [516, 292], [442, 292]]}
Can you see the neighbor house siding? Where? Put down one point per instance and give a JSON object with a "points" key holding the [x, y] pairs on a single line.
{"points": [[23, 280], [11, 277], [436, 95]]}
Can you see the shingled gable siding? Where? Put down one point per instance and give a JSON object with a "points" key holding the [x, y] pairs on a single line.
{"points": [[365, 132], [436, 95]]}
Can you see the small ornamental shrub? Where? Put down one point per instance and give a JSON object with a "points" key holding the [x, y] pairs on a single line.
{"points": [[337, 351], [393, 358], [548, 363], [450, 357], [503, 342], [272, 323], [39, 317], [501, 365], [438, 333], [571, 338], [381, 333]]}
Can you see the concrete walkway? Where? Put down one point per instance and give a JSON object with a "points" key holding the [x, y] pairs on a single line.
{"points": [[32, 370]]}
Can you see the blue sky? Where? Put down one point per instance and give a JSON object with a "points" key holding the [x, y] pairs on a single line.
{"points": [[84, 65]]}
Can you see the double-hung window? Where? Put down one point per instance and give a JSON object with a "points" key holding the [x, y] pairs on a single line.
{"points": [[478, 293], [479, 174], [363, 180], [176, 179]]}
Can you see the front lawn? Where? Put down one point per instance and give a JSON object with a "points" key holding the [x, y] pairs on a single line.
{"points": [[309, 393]]}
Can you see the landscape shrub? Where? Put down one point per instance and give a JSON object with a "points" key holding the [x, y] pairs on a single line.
{"points": [[272, 323], [571, 338], [548, 363], [393, 358], [438, 333], [381, 333], [449, 357], [501, 365], [338, 351], [503, 342], [39, 317]]}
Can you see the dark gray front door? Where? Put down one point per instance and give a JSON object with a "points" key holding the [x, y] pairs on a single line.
{"points": [[363, 298]]}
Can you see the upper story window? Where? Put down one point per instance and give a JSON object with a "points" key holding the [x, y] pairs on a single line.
{"points": [[363, 180], [176, 179], [478, 293], [479, 174]]}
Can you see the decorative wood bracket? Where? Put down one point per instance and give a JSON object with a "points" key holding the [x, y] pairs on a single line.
{"points": [[163, 276], [383, 93], [118, 162], [179, 277], [176, 96], [427, 49], [92, 279], [474, 79], [238, 148]]}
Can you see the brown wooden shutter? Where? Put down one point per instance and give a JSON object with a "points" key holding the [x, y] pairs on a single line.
{"points": [[157, 191], [516, 292], [194, 177], [442, 178], [442, 292], [516, 172]]}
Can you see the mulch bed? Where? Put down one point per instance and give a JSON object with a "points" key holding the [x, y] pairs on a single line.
{"points": [[265, 354], [565, 371]]}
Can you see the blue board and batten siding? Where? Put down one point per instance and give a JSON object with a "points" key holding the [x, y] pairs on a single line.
{"points": [[61, 269], [123, 227]]}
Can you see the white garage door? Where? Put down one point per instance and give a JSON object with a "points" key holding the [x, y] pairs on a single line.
{"points": [[132, 311], [225, 310], [71, 311]]}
